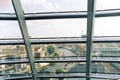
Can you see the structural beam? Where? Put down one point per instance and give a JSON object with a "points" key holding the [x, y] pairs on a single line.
{"points": [[21, 20], [19, 41], [39, 16], [90, 25]]}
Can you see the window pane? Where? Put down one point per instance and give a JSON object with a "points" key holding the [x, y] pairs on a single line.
{"points": [[106, 50], [6, 6], [107, 4], [63, 68], [9, 29], [106, 68], [59, 51], [57, 28], [110, 54], [33, 6], [12, 52], [107, 26], [14, 69], [11, 57]]}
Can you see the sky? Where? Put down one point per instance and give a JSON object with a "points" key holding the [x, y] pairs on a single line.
{"points": [[108, 26]]}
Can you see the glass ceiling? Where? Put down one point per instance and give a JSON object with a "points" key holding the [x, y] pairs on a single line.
{"points": [[37, 6], [107, 4], [60, 38], [6, 6], [41, 6], [10, 29], [50, 28]]}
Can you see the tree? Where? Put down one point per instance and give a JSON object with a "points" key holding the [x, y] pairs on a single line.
{"points": [[56, 54], [59, 70], [52, 64], [50, 49]]}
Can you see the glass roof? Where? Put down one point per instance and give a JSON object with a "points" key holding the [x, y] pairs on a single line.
{"points": [[56, 28], [107, 4], [35, 6], [9, 29], [107, 26], [57, 45], [6, 6]]}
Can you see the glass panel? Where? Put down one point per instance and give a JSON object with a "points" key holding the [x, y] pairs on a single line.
{"points": [[6, 69], [12, 52], [6, 6], [13, 61], [34, 6], [59, 51], [106, 68], [108, 26], [106, 50], [61, 68], [103, 4], [57, 28], [9, 29]]}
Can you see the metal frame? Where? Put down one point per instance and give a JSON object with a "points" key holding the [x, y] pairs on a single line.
{"points": [[19, 41], [90, 25], [39, 16], [62, 60], [23, 27], [19, 15], [62, 76]]}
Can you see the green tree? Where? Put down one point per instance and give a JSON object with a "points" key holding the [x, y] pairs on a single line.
{"points": [[59, 70], [50, 49], [56, 54], [52, 64]]}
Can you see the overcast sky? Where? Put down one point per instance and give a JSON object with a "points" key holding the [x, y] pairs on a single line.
{"points": [[108, 26]]}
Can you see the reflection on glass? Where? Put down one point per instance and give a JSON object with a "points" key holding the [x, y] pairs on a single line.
{"points": [[33, 6], [57, 28]]}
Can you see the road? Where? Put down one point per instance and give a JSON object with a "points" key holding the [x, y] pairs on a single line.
{"points": [[62, 65]]}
